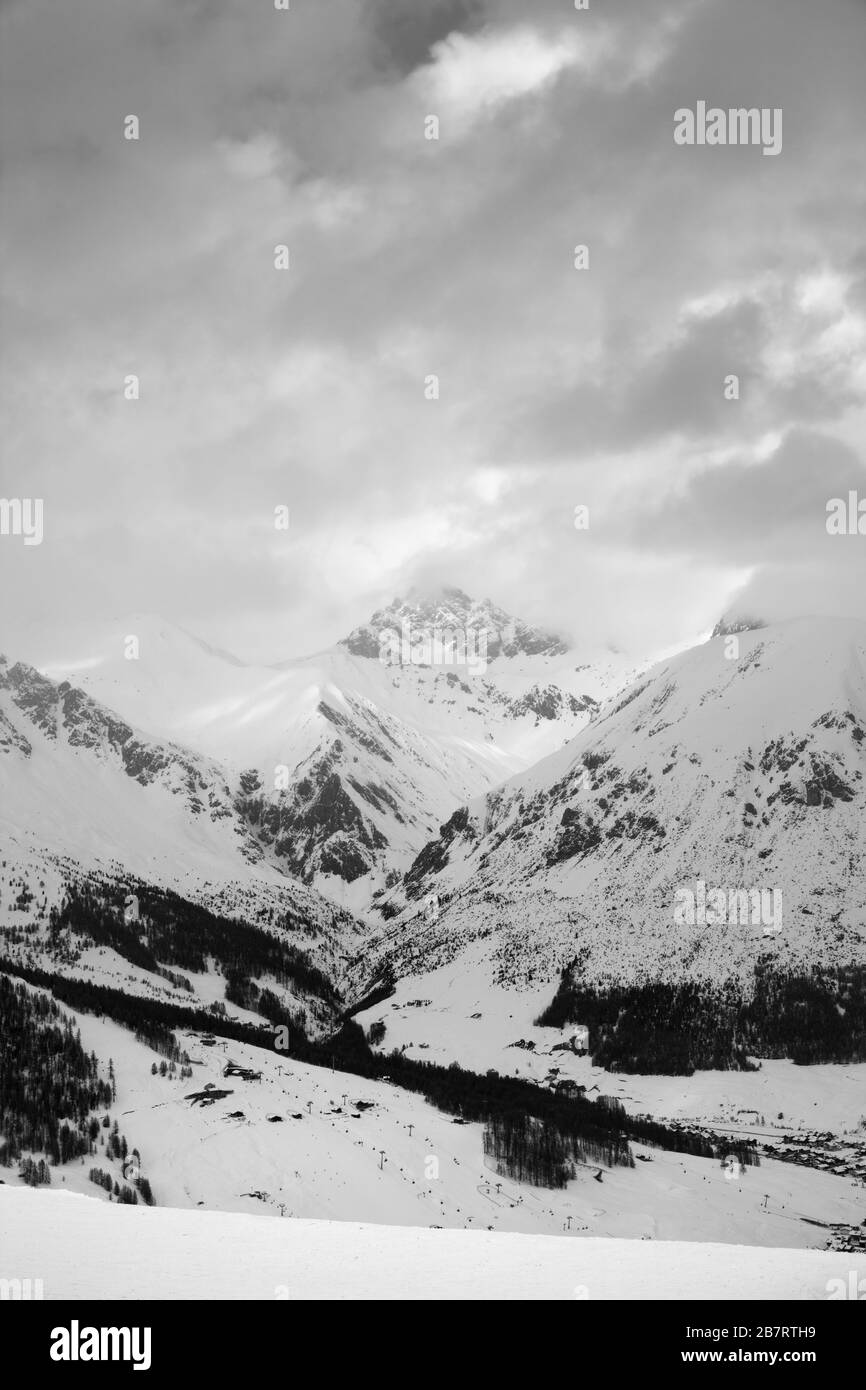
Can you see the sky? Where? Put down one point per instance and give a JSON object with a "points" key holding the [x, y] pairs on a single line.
{"points": [[409, 258]]}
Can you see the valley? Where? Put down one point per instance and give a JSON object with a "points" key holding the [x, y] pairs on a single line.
{"points": [[450, 870]]}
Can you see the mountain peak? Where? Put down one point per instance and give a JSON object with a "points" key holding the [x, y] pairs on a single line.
{"points": [[449, 609], [730, 624]]}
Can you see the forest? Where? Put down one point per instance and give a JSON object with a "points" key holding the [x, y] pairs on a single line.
{"points": [[536, 1151], [677, 1029], [49, 1086]]}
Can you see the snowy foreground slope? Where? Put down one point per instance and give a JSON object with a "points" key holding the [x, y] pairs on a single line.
{"points": [[81, 1249]]}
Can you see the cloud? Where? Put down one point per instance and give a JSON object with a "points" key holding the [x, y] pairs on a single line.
{"points": [[410, 258], [775, 508], [474, 76], [769, 517]]}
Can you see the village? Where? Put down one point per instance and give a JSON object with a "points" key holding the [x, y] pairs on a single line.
{"points": [[842, 1155]]}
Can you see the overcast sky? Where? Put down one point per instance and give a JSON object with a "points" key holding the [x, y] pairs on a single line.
{"points": [[411, 257]]}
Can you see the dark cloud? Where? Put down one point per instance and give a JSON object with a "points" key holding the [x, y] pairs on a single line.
{"points": [[759, 511], [405, 33]]}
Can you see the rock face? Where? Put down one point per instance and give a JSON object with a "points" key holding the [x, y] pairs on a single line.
{"points": [[552, 703], [745, 774], [318, 827], [729, 626]]}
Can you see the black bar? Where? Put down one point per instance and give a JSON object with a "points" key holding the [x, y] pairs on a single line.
{"points": [[244, 1338]]}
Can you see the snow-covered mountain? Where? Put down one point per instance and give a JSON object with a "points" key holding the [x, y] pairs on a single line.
{"points": [[341, 766], [88, 800], [738, 768]]}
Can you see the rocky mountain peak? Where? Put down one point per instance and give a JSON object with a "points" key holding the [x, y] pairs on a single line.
{"points": [[731, 624], [450, 610]]}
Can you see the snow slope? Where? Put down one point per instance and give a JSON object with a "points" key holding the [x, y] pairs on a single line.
{"points": [[229, 1256], [397, 1160]]}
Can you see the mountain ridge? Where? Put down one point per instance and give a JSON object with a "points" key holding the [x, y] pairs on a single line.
{"points": [[706, 769], [342, 766]]}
